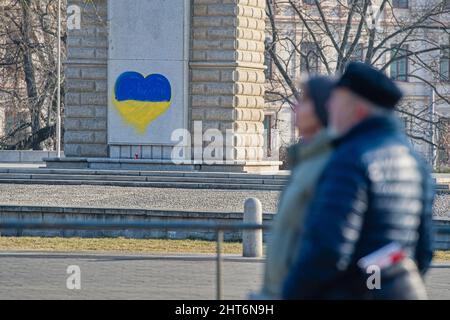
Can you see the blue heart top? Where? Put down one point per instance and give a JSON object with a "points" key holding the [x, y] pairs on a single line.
{"points": [[133, 86]]}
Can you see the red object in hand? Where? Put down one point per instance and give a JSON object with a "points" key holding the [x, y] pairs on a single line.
{"points": [[397, 257], [384, 257]]}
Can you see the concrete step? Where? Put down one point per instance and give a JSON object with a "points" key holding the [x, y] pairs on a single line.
{"points": [[169, 179], [154, 184], [281, 176], [161, 179], [142, 178]]}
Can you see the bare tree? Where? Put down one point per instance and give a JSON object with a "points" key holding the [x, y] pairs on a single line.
{"points": [[28, 37], [411, 43]]}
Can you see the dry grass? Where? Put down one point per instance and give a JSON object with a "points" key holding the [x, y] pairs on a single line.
{"points": [[115, 245], [442, 256], [130, 246]]}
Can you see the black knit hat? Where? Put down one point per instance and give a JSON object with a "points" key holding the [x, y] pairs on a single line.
{"points": [[319, 90], [371, 84]]}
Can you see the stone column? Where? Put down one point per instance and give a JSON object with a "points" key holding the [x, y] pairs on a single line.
{"points": [[227, 71], [85, 127]]}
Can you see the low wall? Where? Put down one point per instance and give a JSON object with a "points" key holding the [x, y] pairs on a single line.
{"points": [[105, 215], [28, 156], [442, 234]]}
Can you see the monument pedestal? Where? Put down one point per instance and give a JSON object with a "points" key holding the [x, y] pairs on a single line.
{"points": [[160, 165], [138, 72]]}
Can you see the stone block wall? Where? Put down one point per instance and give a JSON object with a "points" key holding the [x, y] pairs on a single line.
{"points": [[85, 124], [227, 71]]}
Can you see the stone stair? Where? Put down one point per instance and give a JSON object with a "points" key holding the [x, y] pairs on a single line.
{"points": [[131, 178], [159, 179]]}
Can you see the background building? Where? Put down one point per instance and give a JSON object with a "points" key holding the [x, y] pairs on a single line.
{"points": [[216, 55], [407, 39]]}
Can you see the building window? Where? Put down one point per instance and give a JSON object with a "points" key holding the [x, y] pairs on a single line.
{"points": [[399, 66], [268, 134], [357, 54], [406, 123], [269, 60], [10, 121], [292, 62], [273, 7], [444, 65], [446, 4], [443, 156], [400, 4], [351, 2], [309, 61]]}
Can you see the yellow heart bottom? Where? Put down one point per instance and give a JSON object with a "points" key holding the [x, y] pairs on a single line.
{"points": [[140, 114]]}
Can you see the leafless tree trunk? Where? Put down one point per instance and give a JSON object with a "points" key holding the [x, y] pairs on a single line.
{"points": [[28, 69], [28, 41]]}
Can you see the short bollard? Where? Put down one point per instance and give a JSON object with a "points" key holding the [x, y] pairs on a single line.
{"points": [[252, 239]]}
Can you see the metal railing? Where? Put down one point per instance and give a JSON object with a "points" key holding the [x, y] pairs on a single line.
{"points": [[219, 228]]}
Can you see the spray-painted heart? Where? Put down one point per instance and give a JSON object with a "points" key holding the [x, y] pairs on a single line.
{"points": [[141, 100]]}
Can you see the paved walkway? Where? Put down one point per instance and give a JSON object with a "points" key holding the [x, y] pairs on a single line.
{"points": [[213, 200], [44, 276], [130, 197], [103, 276]]}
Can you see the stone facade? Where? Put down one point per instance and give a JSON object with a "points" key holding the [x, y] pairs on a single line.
{"points": [[85, 118], [226, 80], [227, 71], [418, 101]]}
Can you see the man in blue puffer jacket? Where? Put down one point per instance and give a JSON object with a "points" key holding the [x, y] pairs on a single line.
{"points": [[374, 192]]}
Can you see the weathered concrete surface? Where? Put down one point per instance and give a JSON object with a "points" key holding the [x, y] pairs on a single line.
{"points": [[106, 276], [98, 216], [44, 215], [148, 37], [154, 198], [17, 157], [137, 198]]}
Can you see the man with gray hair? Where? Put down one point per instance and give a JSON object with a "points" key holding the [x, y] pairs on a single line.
{"points": [[371, 212]]}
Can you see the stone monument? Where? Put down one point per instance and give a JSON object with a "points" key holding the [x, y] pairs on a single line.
{"points": [[150, 80]]}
